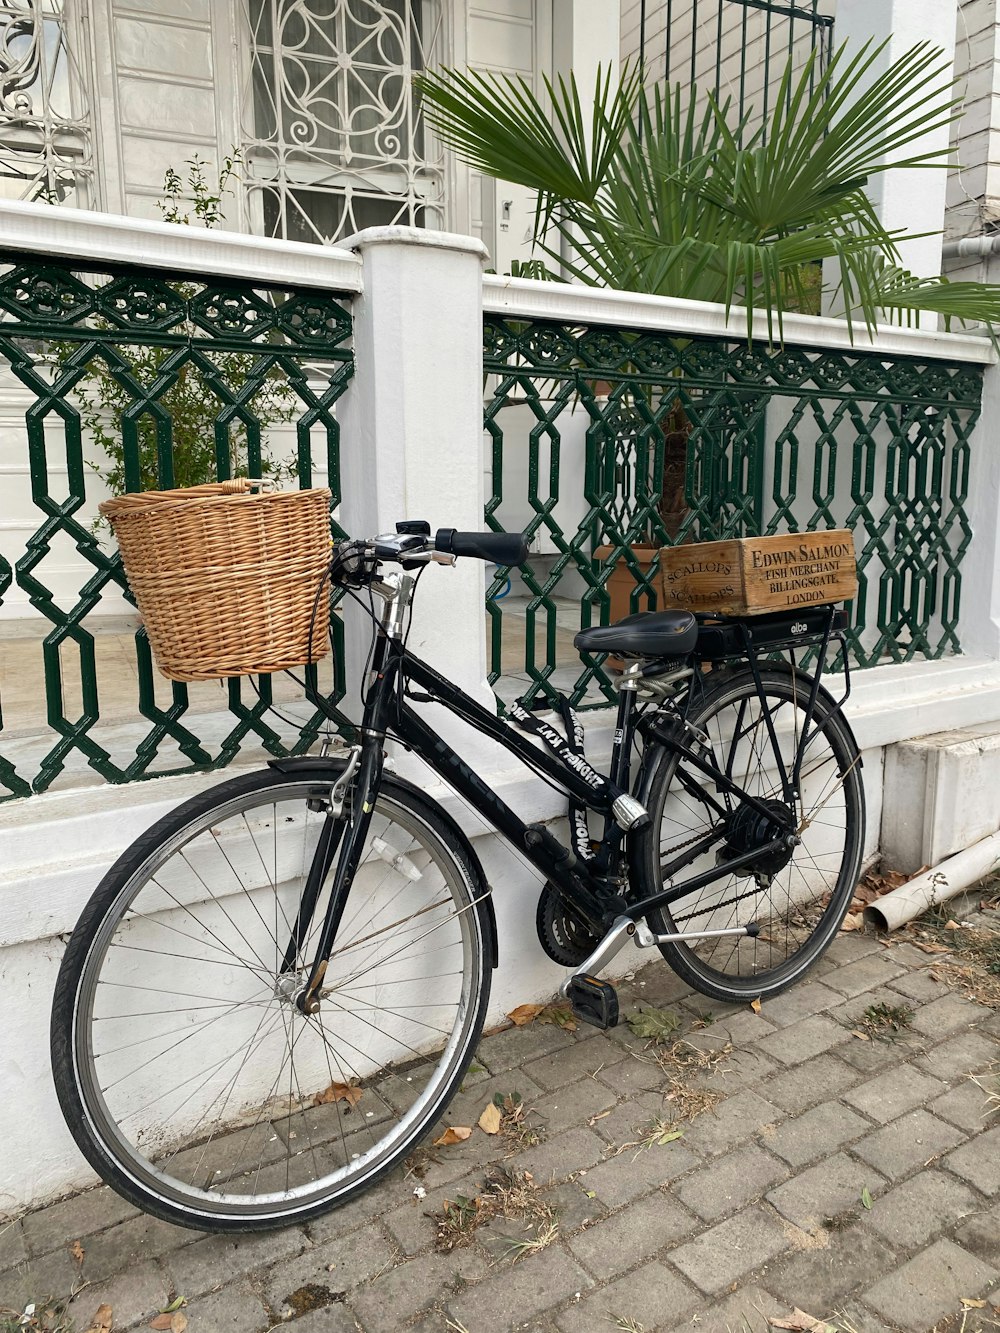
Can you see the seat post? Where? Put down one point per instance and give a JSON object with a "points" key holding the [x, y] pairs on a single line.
{"points": [[622, 743]]}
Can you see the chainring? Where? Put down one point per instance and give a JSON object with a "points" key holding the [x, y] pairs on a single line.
{"points": [[565, 936]]}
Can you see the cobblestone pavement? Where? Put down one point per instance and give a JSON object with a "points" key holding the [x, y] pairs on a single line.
{"points": [[858, 1180]]}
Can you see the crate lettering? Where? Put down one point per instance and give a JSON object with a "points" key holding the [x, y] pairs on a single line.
{"points": [[754, 575]]}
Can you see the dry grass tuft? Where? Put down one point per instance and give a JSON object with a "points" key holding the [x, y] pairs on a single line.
{"points": [[509, 1194], [885, 1021], [682, 1063], [988, 1080], [40, 1316], [514, 1124], [658, 1133], [970, 959]]}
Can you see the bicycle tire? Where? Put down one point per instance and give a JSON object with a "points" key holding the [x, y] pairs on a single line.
{"points": [[802, 909], [174, 963]]}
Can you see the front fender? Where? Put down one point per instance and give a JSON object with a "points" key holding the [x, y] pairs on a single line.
{"points": [[333, 765]]}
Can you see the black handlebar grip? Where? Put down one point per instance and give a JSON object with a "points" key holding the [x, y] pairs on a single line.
{"points": [[500, 548]]}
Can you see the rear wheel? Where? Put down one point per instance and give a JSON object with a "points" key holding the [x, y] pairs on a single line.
{"points": [[798, 896], [188, 1075]]}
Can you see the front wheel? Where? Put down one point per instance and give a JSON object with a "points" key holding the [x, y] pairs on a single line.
{"points": [[798, 897], [187, 1074]]}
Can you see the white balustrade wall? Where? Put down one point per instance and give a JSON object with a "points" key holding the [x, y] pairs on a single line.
{"points": [[412, 447]]}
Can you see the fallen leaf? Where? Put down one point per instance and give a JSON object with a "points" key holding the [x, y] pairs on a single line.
{"points": [[854, 922], [970, 1304], [453, 1134], [102, 1320], [178, 1322], [755, 1005], [929, 946], [560, 1016], [525, 1013], [798, 1321], [338, 1092], [489, 1121], [861, 1036], [175, 1304], [77, 1251], [866, 1198], [670, 1136], [951, 925], [591, 1194], [161, 1321], [655, 1024]]}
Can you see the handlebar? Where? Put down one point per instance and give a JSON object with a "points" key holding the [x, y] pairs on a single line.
{"points": [[354, 563], [499, 548]]}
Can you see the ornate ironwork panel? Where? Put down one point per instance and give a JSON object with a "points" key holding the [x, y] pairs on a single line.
{"points": [[332, 138], [609, 443], [45, 134], [134, 380]]}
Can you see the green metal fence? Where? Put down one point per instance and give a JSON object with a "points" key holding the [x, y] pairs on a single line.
{"points": [[589, 426], [603, 440], [149, 363]]}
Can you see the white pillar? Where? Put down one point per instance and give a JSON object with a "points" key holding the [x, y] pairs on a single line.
{"points": [[585, 34], [909, 198], [979, 624], [412, 431]]}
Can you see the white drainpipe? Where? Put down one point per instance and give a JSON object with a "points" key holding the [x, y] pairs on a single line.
{"points": [[935, 886], [971, 247]]}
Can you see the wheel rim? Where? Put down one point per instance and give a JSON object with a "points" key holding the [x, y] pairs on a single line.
{"points": [[809, 891], [198, 1074]]}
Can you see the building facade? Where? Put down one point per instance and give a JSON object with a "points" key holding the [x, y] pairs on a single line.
{"points": [[100, 100]]}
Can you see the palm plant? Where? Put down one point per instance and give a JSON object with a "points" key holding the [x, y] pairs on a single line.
{"points": [[659, 192]]}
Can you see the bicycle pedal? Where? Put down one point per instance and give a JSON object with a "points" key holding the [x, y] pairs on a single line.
{"points": [[593, 1001]]}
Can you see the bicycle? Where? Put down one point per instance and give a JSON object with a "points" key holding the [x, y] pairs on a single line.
{"points": [[275, 992]]}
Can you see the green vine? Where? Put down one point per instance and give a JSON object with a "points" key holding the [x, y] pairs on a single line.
{"points": [[193, 408]]}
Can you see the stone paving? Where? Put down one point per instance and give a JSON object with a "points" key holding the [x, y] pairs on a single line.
{"points": [[857, 1180]]}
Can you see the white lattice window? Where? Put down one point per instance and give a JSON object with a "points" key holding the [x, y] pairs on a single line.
{"points": [[332, 139], [45, 138]]}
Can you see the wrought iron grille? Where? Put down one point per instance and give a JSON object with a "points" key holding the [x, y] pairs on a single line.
{"points": [[333, 139], [45, 134], [583, 425], [270, 364], [736, 49]]}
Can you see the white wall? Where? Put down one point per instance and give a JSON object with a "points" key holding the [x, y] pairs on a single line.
{"points": [[399, 460]]}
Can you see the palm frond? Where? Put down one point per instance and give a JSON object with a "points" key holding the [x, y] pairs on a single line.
{"points": [[658, 191]]}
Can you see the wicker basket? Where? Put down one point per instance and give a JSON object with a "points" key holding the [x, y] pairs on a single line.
{"points": [[228, 582]]}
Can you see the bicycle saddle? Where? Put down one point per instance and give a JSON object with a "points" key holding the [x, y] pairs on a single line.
{"points": [[647, 634]]}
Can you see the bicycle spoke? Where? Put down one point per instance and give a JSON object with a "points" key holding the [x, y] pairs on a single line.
{"points": [[215, 1088]]}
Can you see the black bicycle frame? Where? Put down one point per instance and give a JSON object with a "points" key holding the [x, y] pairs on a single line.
{"points": [[585, 884]]}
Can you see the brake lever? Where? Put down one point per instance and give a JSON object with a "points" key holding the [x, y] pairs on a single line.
{"points": [[395, 546]]}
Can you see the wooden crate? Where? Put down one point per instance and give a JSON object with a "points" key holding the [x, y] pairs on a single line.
{"points": [[754, 575]]}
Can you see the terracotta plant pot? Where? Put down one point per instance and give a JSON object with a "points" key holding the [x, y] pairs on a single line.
{"points": [[621, 585]]}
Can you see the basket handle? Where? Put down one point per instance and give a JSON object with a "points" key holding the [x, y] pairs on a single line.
{"points": [[138, 500], [235, 486]]}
